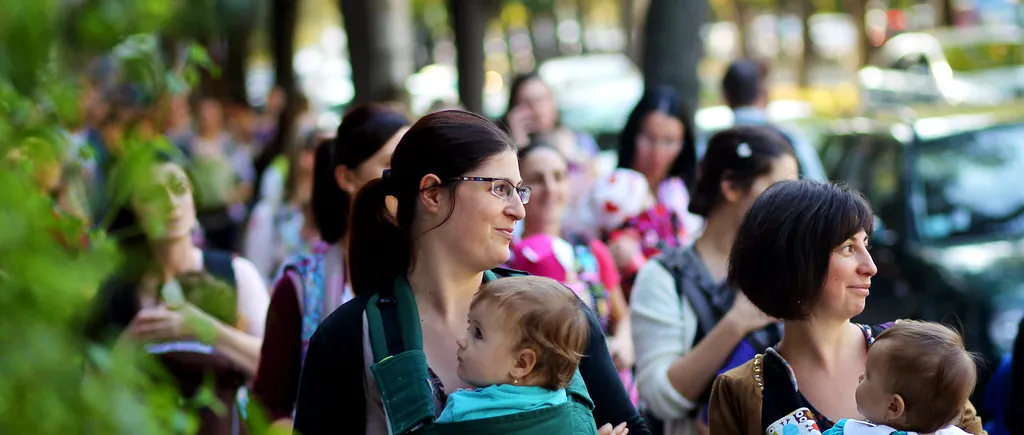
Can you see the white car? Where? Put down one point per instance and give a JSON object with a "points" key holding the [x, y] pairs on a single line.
{"points": [[974, 66]]}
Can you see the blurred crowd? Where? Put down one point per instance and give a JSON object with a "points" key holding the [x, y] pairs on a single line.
{"points": [[231, 199]]}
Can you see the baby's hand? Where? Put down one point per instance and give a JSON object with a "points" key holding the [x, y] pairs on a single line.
{"points": [[607, 429]]}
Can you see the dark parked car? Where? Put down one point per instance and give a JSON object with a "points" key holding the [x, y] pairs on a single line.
{"points": [[948, 192]]}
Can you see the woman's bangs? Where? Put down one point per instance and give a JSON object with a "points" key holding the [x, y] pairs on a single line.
{"points": [[855, 216]]}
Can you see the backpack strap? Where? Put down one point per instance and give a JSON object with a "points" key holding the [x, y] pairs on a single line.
{"points": [[220, 264], [706, 318]]}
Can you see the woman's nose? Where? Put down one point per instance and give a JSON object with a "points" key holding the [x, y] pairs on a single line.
{"points": [[867, 266], [461, 343], [515, 208]]}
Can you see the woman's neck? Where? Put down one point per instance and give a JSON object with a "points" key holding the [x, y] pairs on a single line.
{"points": [[718, 235], [174, 257], [822, 342], [654, 184], [210, 133], [441, 286], [301, 192]]}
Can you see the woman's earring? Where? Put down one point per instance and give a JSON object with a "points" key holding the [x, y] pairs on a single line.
{"points": [[515, 381]]}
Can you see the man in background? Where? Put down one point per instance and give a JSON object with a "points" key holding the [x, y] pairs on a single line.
{"points": [[745, 90]]}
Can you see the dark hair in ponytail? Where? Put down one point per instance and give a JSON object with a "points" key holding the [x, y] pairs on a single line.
{"points": [[363, 131], [447, 144], [740, 155]]}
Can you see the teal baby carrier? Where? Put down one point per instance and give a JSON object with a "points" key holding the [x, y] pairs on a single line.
{"points": [[406, 389]]}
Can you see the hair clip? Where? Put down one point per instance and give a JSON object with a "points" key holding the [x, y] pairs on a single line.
{"points": [[743, 150]]}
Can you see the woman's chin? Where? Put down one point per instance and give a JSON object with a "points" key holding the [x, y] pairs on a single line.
{"points": [[856, 307], [498, 256]]}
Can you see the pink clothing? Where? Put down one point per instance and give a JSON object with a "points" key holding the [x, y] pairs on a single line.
{"points": [[586, 267]]}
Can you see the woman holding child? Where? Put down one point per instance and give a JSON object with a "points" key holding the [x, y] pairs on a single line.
{"points": [[801, 255], [690, 325], [456, 180]]}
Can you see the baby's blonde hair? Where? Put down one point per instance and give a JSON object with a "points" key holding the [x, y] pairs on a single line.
{"points": [[544, 316]]}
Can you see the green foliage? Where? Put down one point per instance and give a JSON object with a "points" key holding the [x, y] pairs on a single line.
{"points": [[52, 380]]}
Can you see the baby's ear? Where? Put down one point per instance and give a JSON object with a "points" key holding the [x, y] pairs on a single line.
{"points": [[896, 408], [526, 360]]}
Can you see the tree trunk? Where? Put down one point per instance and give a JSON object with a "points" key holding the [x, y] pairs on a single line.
{"points": [[634, 13], [283, 19], [381, 47], [234, 65], [237, 19], [946, 13], [469, 19], [857, 10], [807, 58], [581, 18], [673, 47], [741, 14]]}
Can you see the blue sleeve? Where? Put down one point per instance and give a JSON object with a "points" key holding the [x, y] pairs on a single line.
{"points": [[837, 429], [449, 414]]}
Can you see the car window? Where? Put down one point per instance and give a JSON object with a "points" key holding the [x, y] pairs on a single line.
{"points": [[883, 180], [969, 185], [914, 63], [832, 153], [851, 163]]}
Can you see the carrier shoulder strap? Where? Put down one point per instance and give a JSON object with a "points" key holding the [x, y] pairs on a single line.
{"points": [[393, 318], [578, 391]]}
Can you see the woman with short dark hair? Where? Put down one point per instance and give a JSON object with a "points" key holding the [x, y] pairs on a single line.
{"points": [[801, 255], [689, 324]]}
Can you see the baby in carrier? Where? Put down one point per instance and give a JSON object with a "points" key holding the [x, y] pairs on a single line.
{"points": [[524, 342], [918, 379]]}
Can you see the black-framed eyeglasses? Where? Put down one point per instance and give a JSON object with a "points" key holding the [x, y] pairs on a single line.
{"points": [[501, 187]]}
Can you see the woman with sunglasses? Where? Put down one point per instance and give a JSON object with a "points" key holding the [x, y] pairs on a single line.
{"points": [[459, 194]]}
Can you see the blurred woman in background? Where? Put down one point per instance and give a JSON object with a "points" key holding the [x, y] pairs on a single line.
{"points": [[533, 117], [201, 311], [586, 266], [658, 142], [313, 285], [279, 227], [689, 324]]}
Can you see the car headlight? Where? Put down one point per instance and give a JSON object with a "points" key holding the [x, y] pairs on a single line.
{"points": [[1003, 328]]}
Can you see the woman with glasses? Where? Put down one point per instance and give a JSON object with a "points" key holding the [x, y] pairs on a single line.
{"points": [[455, 179], [658, 142]]}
